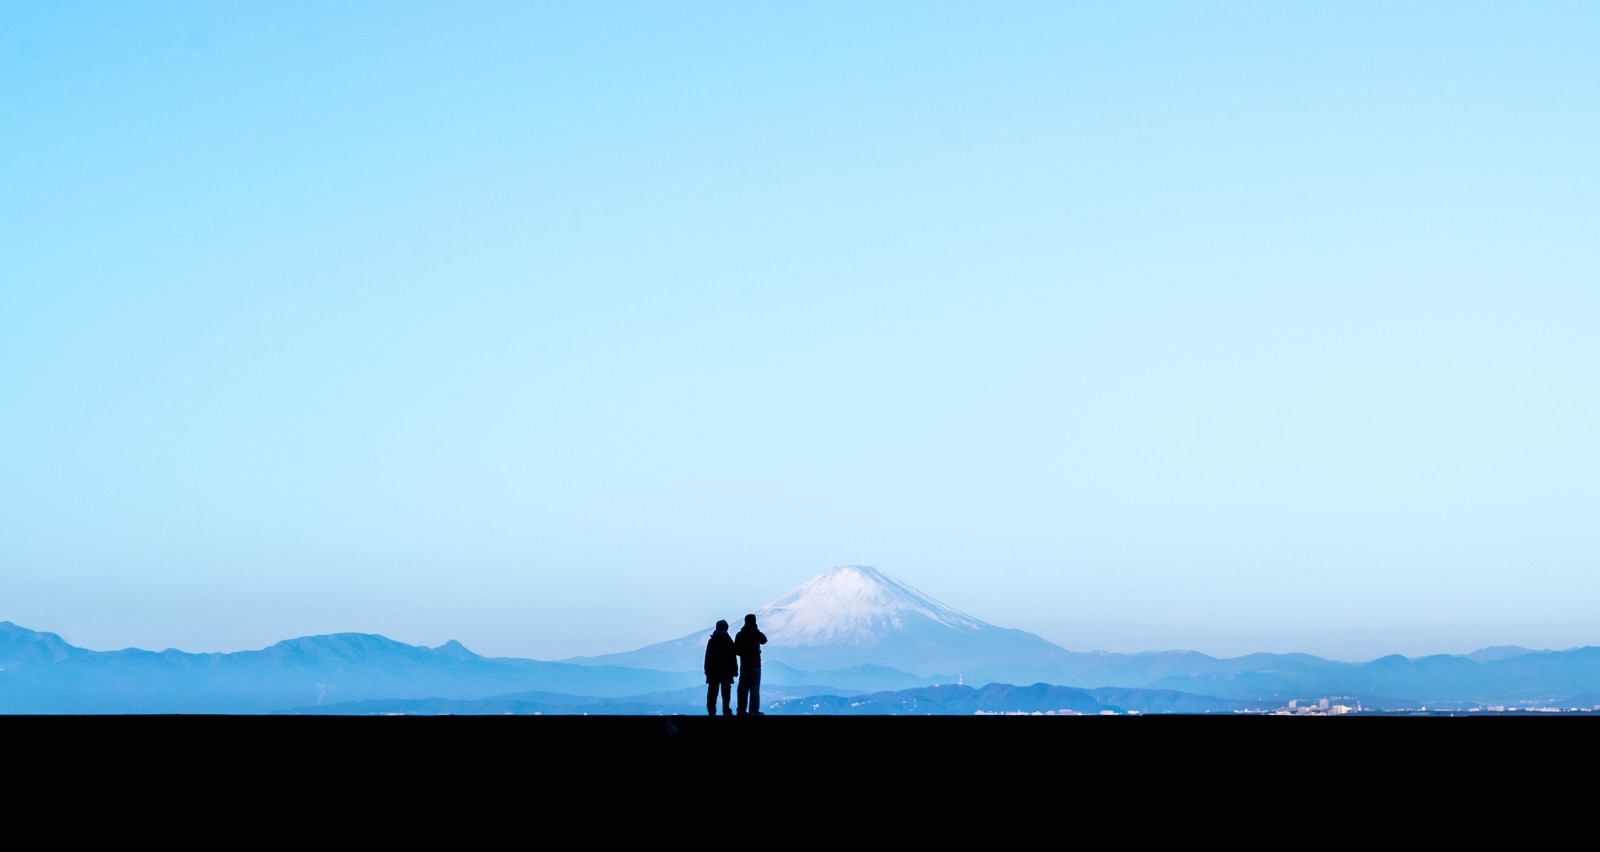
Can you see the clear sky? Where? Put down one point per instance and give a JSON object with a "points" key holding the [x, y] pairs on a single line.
{"points": [[562, 328]]}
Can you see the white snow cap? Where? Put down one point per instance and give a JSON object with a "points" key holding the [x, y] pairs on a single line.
{"points": [[852, 604]]}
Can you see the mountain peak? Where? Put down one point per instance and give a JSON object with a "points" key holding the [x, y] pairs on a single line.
{"points": [[455, 649], [852, 604], [20, 645], [1495, 653]]}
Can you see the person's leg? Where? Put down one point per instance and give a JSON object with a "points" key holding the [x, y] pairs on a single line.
{"points": [[711, 698], [744, 692], [755, 690], [727, 699]]}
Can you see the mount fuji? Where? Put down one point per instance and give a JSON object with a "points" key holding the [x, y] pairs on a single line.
{"points": [[857, 622]]}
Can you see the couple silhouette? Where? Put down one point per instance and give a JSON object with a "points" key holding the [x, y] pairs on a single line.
{"points": [[730, 657]]}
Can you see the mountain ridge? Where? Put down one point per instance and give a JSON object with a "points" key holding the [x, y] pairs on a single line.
{"points": [[856, 614], [850, 631]]}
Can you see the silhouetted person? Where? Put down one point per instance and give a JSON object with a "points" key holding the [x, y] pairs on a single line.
{"points": [[748, 646], [722, 666]]}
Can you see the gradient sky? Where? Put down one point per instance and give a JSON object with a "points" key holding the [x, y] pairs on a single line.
{"points": [[563, 328]]}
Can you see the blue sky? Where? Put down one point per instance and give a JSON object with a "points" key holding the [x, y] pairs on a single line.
{"points": [[565, 328]]}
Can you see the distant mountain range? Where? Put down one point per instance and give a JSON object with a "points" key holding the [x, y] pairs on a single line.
{"points": [[852, 640], [39, 673]]}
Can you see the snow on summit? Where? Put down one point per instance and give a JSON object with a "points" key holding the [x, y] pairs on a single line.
{"points": [[853, 605], [857, 616]]}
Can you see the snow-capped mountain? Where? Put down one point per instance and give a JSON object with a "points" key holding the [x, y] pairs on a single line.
{"points": [[858, 616], [855, 605]]}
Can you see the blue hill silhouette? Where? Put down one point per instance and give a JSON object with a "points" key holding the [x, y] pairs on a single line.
{"points": [[356, 673]]}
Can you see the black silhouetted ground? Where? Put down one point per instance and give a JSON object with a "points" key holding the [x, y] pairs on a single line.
{"points": [[649, 780]]}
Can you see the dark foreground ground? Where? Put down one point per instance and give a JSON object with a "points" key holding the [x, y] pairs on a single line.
{"points": [[774, 781], [808, 744]]}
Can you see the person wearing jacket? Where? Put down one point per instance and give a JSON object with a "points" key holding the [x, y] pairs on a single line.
{"points": [[748, 646], [722, 666]]}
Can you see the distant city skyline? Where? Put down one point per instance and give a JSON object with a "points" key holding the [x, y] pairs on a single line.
{"points": [[563, 329]]}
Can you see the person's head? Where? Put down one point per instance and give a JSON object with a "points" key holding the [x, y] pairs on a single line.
{"points": [[722, 624], [750, 620]]}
